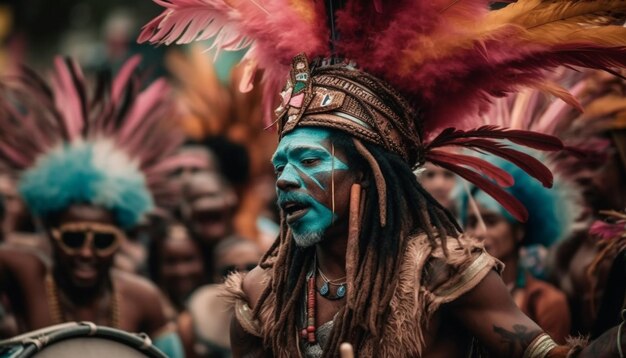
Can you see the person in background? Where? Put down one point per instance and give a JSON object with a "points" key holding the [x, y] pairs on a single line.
{"points": [[551, 217], [87, 177], [176, 262], [440, 183], [209, 203], [204, 326]]}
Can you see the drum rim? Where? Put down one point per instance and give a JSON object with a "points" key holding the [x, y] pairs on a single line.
{"points": [[139, 342]]}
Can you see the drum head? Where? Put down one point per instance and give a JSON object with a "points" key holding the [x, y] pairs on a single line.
{"points": [[84, 340], [89, 347]]}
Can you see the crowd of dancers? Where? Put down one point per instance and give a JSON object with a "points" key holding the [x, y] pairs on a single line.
{"points": [[143, 205]]}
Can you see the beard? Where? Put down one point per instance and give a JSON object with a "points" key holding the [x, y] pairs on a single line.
{"points": [[308, 239]]}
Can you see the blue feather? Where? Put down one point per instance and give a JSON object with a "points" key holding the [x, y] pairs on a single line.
{"points": [[551, 211], [75, 173]]}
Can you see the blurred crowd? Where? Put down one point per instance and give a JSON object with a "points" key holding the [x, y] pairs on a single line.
{"points": [[562, 267]]}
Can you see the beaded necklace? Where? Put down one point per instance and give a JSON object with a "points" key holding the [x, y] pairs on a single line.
{"points": [[53, 298], [308, 333]]}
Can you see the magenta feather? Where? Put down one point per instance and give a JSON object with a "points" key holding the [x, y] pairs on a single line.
{"points": [[607, 231]]}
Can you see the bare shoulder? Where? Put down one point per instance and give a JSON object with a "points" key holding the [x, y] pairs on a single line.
{"points": [[134, 285], [21, 260], [139, 292], [145, 304], [254, 284]]}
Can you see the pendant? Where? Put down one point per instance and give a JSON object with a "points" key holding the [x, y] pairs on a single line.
{"points": [[324, 290], [341, 291]]}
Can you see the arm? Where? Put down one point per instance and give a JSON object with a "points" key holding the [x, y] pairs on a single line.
{"points": [[605, 346], [491, 315], [243, 343], [186, 333]]}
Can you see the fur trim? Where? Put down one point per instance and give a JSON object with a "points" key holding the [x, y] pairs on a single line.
{"points": [[236, 299], [428, 279]]}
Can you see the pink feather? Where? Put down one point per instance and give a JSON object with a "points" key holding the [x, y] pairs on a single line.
{"points": [[67, 98], [123, 76], [607, 231], [147, 101]]}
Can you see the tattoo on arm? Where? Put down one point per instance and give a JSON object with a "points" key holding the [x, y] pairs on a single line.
{"points": [[516, 340]]}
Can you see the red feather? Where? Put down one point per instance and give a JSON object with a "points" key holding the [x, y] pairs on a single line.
{"points": [[500, 176], [508, 201], [530, 165], [524, 138]]}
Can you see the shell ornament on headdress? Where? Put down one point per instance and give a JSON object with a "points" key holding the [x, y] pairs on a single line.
{"points": [[416, 72], [111, 148]]}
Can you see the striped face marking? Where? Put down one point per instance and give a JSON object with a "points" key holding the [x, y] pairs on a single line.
{"points": [[305, 164]]}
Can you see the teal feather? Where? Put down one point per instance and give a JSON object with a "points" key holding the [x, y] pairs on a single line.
{"points": [[87, 173]]}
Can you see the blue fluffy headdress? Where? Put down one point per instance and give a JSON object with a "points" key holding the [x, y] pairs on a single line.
{"points": [[112, 148], [552, 212]]}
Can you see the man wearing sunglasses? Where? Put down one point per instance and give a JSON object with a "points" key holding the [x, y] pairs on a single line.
{"points": [[87, 176]]}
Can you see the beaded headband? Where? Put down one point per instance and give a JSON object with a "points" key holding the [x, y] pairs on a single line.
{"points": [[344, 98]]}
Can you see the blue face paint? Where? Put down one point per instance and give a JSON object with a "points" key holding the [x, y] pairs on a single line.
{"points": [[305, 161]]}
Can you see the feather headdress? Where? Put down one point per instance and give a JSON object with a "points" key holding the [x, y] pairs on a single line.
{"points": [[446, 57], [111, 148]]}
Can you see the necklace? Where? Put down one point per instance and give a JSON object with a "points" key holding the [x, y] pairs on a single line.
{"points": [[325, 289], [52, 296]]}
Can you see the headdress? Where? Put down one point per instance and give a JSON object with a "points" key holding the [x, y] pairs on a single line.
{"points": [[110, 148], [552, 212], [423, 66]]}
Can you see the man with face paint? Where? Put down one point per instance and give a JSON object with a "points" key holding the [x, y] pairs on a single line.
{"points": [[87, 176], [365, 254], [308, 167]]}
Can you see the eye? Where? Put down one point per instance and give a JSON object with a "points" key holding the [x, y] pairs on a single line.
{"points": [[309, 161], [278, 169]]}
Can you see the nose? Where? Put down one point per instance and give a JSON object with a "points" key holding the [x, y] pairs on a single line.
{"points": [[288, 179], [86, 252]]}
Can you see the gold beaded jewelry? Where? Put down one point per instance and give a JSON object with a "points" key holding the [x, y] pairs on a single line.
{"points": [[56, 312]]}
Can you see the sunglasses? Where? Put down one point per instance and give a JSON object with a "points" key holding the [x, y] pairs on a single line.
{"points": [[73, 237], [227, 270]]}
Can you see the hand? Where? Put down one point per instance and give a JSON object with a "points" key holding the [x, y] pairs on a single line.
{"points": [[346, 351]]}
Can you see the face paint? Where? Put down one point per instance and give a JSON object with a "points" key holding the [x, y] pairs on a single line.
{"points": [[304, 163]]}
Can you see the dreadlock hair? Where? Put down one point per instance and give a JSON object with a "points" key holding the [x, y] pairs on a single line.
{"points": [[410, 210]]}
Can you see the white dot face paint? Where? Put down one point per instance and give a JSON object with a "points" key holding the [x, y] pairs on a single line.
{"points": [[304, 163]]}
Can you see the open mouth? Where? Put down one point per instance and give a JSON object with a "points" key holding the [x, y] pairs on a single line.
{"points": [[294, 210], [85, 271]]}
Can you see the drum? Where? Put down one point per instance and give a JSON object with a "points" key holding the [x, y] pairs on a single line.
{"points": [[73, 340]]}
